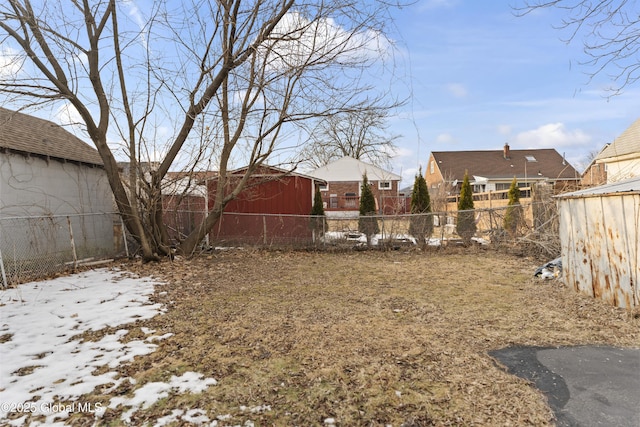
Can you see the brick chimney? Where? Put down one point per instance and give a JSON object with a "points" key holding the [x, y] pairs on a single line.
{"points": [[506, 153]]}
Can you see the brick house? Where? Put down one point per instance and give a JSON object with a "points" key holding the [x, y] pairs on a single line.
{"points": [[341, 194], [595, 173], [494, 170]]}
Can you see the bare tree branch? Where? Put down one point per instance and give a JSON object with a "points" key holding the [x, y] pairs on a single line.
{"points": [[609, 31], [181, 84]]}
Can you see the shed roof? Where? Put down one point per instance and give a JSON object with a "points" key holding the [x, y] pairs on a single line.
{"points": [[32, 135], [493, 165], [627, 143], [631, 185], [350, 169], [268, 170]]}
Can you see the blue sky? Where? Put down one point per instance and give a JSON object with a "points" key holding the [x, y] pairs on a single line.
{"points": [[480, 76], [475, 76]]}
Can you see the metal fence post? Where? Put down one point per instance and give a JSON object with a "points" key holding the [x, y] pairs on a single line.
{"points": [[264, 226], [73, 244], [124, 237], [4, 275]]}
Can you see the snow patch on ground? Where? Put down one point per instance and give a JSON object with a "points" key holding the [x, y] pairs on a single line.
{"points": [[150, 393], [43, 367]]}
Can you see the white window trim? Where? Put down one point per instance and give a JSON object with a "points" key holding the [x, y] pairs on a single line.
{"points": [[323, 187], [381, 187]]}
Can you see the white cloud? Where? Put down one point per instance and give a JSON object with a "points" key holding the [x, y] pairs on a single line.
{"points": [[136, 15], [504, 129], [408, 176], [445, 138], [552, 135], [10, 62], [68, 115], [458, 90], [437, 4], [397, 152], [297, 41]]}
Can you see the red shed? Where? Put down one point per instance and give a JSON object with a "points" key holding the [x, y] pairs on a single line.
{"points": [[273, 208]]}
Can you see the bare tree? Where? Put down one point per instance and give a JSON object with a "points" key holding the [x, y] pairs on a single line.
{"points": [[186, 82], [361, 134], [609, 31]]}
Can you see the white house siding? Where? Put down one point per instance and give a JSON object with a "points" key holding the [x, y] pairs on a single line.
{"points": [[599, 234], [618, 170], [38, 197]]}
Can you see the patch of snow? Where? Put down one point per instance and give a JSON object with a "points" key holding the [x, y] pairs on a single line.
{"points": [[256, 409], [434, 242], [480, 241], [150, 393], [358, 238], [171, 418], [196, 417], [44, 362], [159, 338]]}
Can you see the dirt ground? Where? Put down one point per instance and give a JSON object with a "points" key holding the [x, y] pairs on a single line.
{"points": [[364, 338]]}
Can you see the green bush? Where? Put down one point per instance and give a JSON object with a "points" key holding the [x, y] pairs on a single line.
{"points": [[466, 225], [318, 220], [367, 222], [514, 215], [420, 222]]}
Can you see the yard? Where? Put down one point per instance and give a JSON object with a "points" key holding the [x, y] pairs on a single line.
{"points": [[354, 338]]}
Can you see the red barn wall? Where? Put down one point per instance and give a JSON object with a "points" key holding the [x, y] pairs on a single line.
{"points": [[280, 200], [288, 195]]}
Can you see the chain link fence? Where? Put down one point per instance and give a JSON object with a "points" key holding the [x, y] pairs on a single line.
{"points": [[535, 223], [37, 246]]}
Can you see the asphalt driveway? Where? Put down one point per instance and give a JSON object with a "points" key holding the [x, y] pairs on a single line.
{"points": [[585, 385]]}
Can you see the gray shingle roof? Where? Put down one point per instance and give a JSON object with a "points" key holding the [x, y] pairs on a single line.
{"points": [[349, 169], [492, 164], [627, 143], [32, 135]]}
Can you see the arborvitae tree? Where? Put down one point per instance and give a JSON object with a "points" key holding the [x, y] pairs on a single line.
{"points": [[318, 219], [514, 214], [421, 222], [466, 226], [367, 222]]}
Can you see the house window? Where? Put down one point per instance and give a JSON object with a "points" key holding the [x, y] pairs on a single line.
{"points": [[333, 201], [384, 185], [350, 200], [432, 167], [323, 187]]}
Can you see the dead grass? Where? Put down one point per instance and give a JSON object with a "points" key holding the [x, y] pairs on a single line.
{"points": [[367, 338]]}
